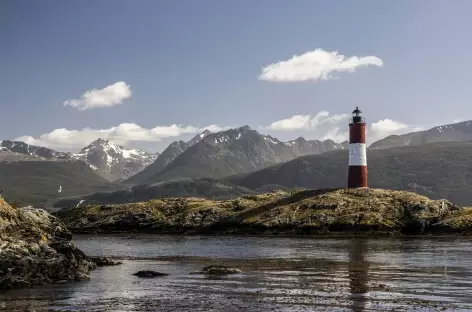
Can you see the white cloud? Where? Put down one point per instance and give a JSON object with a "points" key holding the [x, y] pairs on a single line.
{"points": [[306, 122], [386, 127], [107, 97], [315, 65], [324, 126], [121, 134]]}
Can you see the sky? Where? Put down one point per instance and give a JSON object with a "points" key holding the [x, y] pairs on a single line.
{"points": [[145, 73]]}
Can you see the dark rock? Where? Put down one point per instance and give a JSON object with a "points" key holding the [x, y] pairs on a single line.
{"points": [[149, 273], [37, 249], [102, 261]]}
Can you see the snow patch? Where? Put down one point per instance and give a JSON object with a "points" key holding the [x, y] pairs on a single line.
{"points": [[221, 139], [109, 159], [266, 138], [130, 153]]}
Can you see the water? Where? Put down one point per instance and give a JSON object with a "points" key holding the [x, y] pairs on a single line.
{"points": [[279, 274]]}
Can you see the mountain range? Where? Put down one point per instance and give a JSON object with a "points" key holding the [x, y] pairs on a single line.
{"points": [[240, 160], [109, 160], [216, 155], [437, 170]]}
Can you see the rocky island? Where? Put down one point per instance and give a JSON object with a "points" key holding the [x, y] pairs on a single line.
{"points": [[300, 212], [36, 248]]}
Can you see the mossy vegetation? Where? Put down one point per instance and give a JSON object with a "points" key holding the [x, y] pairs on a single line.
{"points": [[279, 212]]}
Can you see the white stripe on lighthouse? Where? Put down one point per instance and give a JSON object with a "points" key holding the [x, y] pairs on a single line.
{"points": [[357, 154]]}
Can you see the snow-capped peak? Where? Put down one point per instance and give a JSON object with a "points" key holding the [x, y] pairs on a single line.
{"points": [[113, 159]]}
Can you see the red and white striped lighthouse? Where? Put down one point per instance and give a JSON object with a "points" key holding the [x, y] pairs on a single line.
{"points": [[357, 175]]}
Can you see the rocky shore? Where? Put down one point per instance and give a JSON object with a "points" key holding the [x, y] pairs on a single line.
{"points": [[305, 212], [36, 248]]}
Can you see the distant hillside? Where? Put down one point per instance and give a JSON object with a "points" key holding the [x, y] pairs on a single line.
{"points": [[34, 181], [208, 188], [237, 151], [457, 132], [437, 170]]}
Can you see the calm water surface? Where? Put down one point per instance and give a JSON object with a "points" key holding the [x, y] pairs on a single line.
{"points": [[279, 274]]}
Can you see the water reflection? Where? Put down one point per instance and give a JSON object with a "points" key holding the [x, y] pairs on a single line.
{"points": [[358, 271]]}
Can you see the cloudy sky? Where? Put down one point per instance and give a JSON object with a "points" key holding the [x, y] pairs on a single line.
{"points": [[145, 73]]}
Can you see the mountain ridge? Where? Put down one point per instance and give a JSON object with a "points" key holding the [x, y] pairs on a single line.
{"points": [[121, 164], [455, 132], [32, 150], [166, 157], [237, 150]]}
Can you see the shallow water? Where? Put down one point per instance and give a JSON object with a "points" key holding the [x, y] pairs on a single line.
{"points": [[279, 274]]}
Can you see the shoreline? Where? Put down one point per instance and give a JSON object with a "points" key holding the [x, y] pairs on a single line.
{"points": [[286, 235]]}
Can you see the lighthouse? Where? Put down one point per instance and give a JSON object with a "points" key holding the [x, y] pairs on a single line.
{"points": [[357, 175]]}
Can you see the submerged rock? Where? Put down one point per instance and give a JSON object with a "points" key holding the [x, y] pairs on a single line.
{"points": [[102, 261], [36, 248], [149, 273], [218, 270]]}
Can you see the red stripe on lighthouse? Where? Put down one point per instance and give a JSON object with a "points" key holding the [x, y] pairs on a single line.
{"points": [[357, 174]]}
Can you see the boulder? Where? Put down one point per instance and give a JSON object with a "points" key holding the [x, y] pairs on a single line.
{"points": [[149, 273], [36, 248]]}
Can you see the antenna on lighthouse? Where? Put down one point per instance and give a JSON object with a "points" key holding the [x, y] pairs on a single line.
{"points": [[357, 174]]}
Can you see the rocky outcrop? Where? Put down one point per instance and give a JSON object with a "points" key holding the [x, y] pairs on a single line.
{"points": [[299, 212], [149, 274], [36, 248], [102, 261]]}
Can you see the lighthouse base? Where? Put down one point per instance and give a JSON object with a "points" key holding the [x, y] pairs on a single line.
{"points": [[357, 176]]}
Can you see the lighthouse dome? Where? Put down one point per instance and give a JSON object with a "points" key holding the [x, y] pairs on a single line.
{"points": [[357, 115]]}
